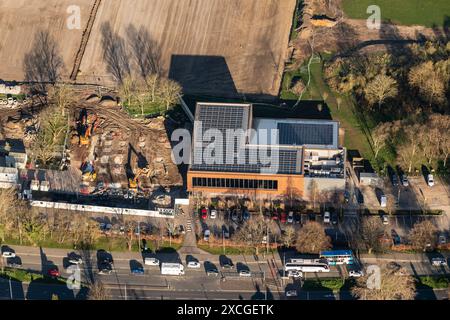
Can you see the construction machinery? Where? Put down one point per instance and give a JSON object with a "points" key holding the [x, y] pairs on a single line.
{"points": [[88, 171], [133, 183], [86, 126]]}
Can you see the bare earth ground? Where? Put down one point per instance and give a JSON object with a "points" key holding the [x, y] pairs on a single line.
{"points": [[21, 19], [210, 46], [349, 33]]}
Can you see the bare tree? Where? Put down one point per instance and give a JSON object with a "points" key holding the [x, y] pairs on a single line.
{"points": [[380, 137], [169, 93], [409, 151], [62, 96], [252, 232], [289, 236], [429, 82], [312, 238], [380, 88], [394, 284], [423, 235], [97, 291], [370, 233]]}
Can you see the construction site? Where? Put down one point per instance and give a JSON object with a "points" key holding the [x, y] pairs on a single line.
{"points": [[107, 153]]}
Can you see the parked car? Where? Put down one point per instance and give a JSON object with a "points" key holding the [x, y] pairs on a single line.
{"points": [[291, 293], [326, 217], [394, 180], [14, 262], [105, 268], [283, 217], [264, 240], [430, 180], [405, 181], [385, 219], [137, 270], [235, 216], [297, 218], [275, 215], [290, 218], [226, 232], [245, 215], [213, 214], [53, 272], [295, 274], [355, 273], [334, 219], [204, 213], [151, 261], [193, 264], [212, 271], [8, 254], [206, 235], [395, 237], [75, 258], [437, 262], [245, 273], [181, 228], [442, 239]]}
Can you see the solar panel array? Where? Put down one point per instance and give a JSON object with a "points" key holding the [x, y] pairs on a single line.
{"points": [[235, 117], [305, 134]]}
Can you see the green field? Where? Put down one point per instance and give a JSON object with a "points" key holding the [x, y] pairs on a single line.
{"points": [[428, 13]]}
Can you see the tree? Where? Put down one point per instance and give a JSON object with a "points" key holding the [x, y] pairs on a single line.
{"points": [[429, 82], [380, 88], [423, 235], [371, 232], [62, 96], [252, 232], [394, 284], [380, 137], [169, 92], [288, 237], [313, 192], [312, 238], [409, 151], [97, 291]]}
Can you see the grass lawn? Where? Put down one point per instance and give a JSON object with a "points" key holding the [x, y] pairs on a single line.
{"points": [[436, 282], [355, 133], [334, 284], [27, 276], [428, 13], [112, 244], [217, 250]]}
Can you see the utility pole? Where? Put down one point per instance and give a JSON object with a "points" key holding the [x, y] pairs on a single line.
{"points": [[139, 239]]}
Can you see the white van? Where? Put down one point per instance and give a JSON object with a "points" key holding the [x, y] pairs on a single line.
{"points": [[383, 201], [326, 217], [173, 269], [430, 180]]}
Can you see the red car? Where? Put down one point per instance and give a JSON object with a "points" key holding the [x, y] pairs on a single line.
{"points": [[53, 272], [283, 217], [204, 214], [275, 216]]}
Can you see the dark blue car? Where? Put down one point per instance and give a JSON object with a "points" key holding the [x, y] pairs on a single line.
{"points": [[245, 215]]}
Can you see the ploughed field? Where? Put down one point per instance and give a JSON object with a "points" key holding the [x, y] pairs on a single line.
{"points": [[217, 47]]}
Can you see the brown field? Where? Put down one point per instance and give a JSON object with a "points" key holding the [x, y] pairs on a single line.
{"points": [[215, 47], [210, 46], [21, 19]]}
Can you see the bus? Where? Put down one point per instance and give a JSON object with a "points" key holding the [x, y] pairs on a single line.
{"points": [[307, 265], [336, 257]]}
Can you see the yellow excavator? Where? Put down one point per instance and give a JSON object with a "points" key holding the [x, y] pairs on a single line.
{"points": [[133, 183]]}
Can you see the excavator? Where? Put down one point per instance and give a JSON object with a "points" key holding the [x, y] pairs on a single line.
{"points": [[133, 183], [88, 171], [87, 125]]}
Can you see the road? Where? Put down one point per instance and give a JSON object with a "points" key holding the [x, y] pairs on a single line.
{"points": [[195, 284]]}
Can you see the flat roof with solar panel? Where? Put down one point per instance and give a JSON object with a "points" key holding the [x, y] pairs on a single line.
{"points": [[275, 154]]}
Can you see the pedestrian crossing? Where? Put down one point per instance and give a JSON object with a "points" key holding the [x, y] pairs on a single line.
{"points": [[189, 225]]}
